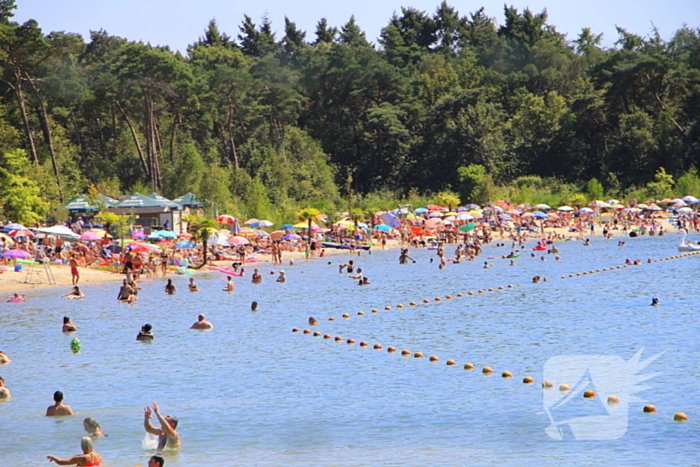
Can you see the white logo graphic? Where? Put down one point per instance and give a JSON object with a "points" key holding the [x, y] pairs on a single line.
{"points": [[592, 419]]}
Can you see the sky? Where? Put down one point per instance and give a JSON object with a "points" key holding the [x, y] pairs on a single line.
{"points": [[178, 23]]}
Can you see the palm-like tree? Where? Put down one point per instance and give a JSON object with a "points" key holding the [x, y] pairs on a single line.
{"points": [[201, 228], [309, 215], [448, 198]]}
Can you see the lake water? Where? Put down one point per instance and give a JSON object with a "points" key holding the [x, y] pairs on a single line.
{"points": [[250, 392]]}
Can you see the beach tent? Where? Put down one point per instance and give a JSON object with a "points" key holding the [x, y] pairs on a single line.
{"points": [[190, 200], [166, 201], [83, 203]]}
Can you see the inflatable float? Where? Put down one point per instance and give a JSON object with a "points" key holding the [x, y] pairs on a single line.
{"points": [[343, 246]]}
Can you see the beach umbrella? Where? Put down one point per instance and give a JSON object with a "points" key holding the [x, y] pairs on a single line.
{"points": [[225, 219], [685, 210], [165, 243], [433, 222], [247, 233], [613, 201], [585, 210], [185, 244], [12, 226], [138, 234], [642, 206], [16, 254], [542, 207], [539, 215], [288, 227], [6, 238], [435, 207], [467, 227], [390, 220], [21, 233], [616, 206], [262, 233], [597, 203], [185, 235], [100, 232], [552, 215], [420, 211], [238, 241], [251, 221], [291, 236], [277, 234], [218, 240], [436, 214], [382, 227], [528, 215], [90, 236], [262, 223], [58, 230], [464, 217], [690, 199], [114, 248], [472, 206], [565, 208], [166, 234], [476, 214], [505, 217], [654, 207]]}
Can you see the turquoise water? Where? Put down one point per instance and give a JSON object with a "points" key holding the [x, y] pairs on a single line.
{"points": [[251, 392]]}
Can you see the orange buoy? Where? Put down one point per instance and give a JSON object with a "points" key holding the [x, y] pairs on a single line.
{"points": [[449, 297], [391, 349], [468, 366], [547, 384], [387, 308], [331, 319], [433, 358], [317, 334], [589, 394], [307, 331], [295, 330], [351, 341], [418, 355], [326, 336], [412, 304], [377, 346], [406, 352], [400, 305], [338, 338], [363, 344], [613, 400], [487, 370], [564, 387], [528, 380], [460, 295], [438, 299], [360, 313], [374, 310], [680, 417], [649, 409], [451, 362], [506, 374]]}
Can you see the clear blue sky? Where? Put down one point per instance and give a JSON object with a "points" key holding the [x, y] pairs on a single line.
{"points": [[178, 23]]}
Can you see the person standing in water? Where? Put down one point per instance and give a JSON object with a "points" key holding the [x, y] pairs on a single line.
{"points": [[230, 286], [88, 458], [167, 436], [170, 287], [59, 409], [202, 323], [68, 326], [4, 392]]}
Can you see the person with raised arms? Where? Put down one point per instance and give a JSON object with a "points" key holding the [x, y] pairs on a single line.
{"points": [[167, 436]]}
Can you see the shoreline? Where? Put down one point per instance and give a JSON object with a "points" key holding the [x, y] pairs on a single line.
{"points": [[11, 281]]}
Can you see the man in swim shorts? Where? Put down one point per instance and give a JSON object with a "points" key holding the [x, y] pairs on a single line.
{"points": [[167, 436], [59, 409], [4, 392], [74, 270], [202, 323]]}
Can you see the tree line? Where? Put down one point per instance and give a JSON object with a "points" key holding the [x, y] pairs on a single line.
{"points": [[261, 123]]}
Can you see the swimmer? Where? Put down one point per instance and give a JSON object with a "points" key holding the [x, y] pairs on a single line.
{"points": [[59, 409], [75, 294], [4, 359], [487, 265], [93, 428], [587, 242], [170, 287], [192, 286], [536, 280], [4, 392], [655, 301], [257, 277], [254, 306], [358, 276], [512, 262], [16, 297], [202, 323], [282, 278], [350, 266], [544, 259], [155, 461], [557, 258], [364, 281], [167, 436], [68, 326], [88, 458], [230, 286], [145, 334], [291, 262], [126, 293], [313, 321]]}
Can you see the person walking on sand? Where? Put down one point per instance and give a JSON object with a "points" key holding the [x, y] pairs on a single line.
{"points": [[75, 275], [167, 436], [59, 409]]}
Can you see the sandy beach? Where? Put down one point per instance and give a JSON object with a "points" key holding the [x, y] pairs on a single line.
{"points": [[11, 281]]}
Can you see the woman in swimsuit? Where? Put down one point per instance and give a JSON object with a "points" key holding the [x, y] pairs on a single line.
{"points": [[93, 428], [170, 287], [193, 285], [257, 277], [76, 293], [89, 458]]}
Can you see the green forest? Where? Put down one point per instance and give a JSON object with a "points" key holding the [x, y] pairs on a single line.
{"points": [[262, 123]]}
